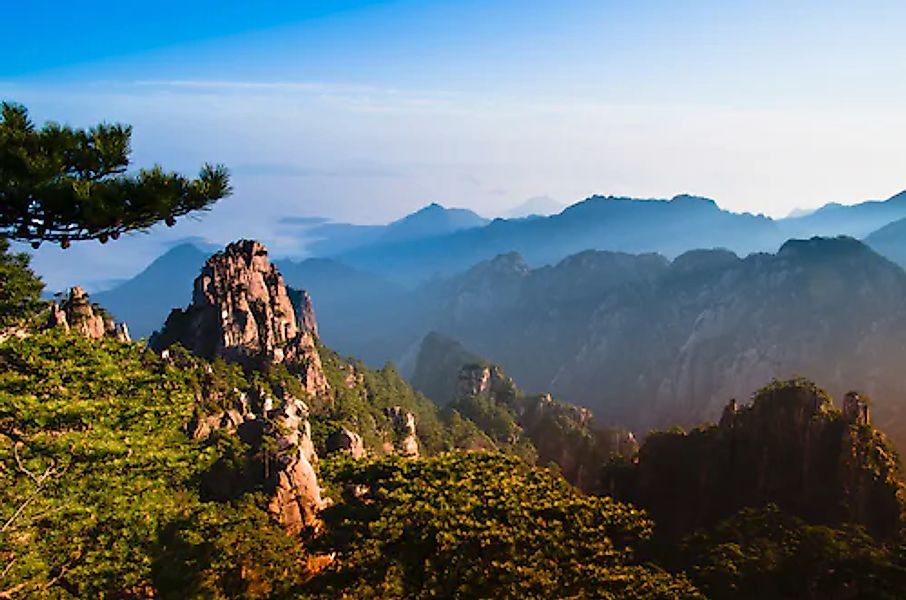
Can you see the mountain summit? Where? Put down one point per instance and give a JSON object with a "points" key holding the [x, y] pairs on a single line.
{"points": [[241, 312]]}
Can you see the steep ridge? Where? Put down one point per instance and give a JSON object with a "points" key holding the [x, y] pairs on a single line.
{"points": [[536, 427], [534, 321], [790, 448]]}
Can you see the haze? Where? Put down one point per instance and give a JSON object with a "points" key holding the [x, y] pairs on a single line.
{"points": [[365, 111]]}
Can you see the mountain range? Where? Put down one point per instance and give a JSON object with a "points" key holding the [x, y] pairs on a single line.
{"points": [[378, 261], [240, 456], [644, 338]]}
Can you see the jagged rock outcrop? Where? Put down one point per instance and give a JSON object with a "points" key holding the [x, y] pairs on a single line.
{"points": [[76, 313], [344, 440], [855, 409], [406, 439], [281, 456], [241, 312], [229, 419], [296, 495], [305, 314], [790, 447]]}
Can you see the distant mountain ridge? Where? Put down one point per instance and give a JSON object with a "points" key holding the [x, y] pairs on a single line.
{"points": [[602, 223], [665, 226], [646, 342], [890, 241], [856, 220], [432, 220]]}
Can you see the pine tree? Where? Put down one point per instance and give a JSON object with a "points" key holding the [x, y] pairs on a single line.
{"points": [[62, 184]]}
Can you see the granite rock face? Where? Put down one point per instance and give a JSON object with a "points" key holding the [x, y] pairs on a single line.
{"points": [[241, 312], [287, 475], [77, 314], [295, 492]]}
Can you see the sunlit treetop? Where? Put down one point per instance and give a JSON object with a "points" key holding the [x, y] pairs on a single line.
{"points": [[63, 184]]}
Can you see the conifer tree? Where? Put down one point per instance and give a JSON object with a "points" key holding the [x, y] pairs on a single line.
{"points": [[63, 184]]}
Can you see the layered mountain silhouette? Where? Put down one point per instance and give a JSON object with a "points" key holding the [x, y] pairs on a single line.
{"points": [[645, 342], [856, 220], [890, 241], [643, 338], [374, 261], [432, 220], [604, 223]]}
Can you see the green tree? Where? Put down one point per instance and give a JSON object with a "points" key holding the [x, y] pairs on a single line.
{"points": [[100, 482], [20, 288], [62, 184], [480, 525], [765, 553]]}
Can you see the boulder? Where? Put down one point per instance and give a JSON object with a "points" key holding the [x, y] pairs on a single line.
{"points": [[345, 440]]}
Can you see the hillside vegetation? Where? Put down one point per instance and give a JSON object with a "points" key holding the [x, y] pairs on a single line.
{"points": [[127, 473]]}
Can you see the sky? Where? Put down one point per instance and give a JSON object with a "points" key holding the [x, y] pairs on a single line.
{"points": [[363, 111]]}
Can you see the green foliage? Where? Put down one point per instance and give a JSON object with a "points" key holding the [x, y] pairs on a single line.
{"points": [[480, 525], [99, 483], [764, 553], [360, 397], [20, 288], [496, 421], [493, 418], [231, 550], [62, 184], [790, 447]]}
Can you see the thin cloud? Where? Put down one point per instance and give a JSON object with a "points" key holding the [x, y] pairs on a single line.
{"points": [[291, 170]]}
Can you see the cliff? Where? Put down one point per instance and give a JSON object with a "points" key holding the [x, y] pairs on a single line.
{"points": [[790, 447], [76, 313]]}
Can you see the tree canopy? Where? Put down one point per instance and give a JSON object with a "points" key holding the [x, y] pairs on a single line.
{"points": [[20, 288], [480, 525], [63, 184]]}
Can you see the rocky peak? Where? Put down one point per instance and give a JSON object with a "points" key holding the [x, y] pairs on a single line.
{"points": [[241, 312], [305, 314], [77, 313], [855, 409]]}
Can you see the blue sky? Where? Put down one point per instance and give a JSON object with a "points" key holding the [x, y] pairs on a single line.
{"points": [[364, 111]]}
